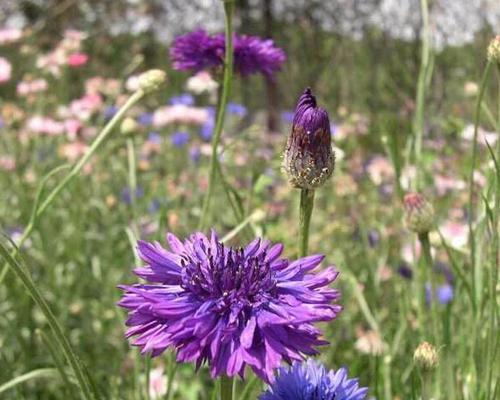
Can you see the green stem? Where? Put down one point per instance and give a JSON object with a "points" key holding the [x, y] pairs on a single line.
{"points": [[423, 78], [472, 241], [59, 336], [306, 208], [426, 386], [429, 264], [226, 388], [172, 370], [221, 111]]}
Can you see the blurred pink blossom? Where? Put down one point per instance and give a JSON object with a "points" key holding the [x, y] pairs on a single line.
{"points": [[5, 70], [380, 170], [9, 35], [77, 59], [157, 383], [202, 82], [73, 151], [45, 125], [25, 88], [73, 126], [446, 184], [456, 234], [179, 113], [7, 163], [84, 107]]}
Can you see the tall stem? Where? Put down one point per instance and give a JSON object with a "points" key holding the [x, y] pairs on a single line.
{"points": [[306, 207], [470, 216], [429, 264], [226, 388], [426, 386], [421, 86], [221, 111]]}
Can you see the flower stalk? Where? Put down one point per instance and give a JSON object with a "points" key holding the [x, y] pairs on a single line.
{"points": [[226, 388], [306, 208], [221, 111]]}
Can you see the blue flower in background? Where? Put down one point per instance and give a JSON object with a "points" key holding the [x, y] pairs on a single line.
{"points": [[1, 123], [154, 138], [195, 153], [154, 206], [126, 194], [109, 112], [145, 119], [310, 380], [287, 116], [236, 109], [207, 129], [180, 139], [443, 293], [184, 99]]}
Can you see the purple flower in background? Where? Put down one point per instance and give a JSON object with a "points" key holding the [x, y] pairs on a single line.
{"points": [[109, 112], [180, 139], [237, 109], [154, 206], [311, 381], [145, 119], [405, 271], [183, 99], [195, 153], [287, 116], [198, 51], [126, 194], [1, 123], [228, 307], [154, 138], [443, 293], [207, 129]]}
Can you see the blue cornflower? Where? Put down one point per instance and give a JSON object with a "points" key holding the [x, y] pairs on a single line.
{"points": [[180, 139], [184, 99], [207, 129], [126, 194], [237, 109], [310, 380], [109, 112], [443, 293], [154, 138], [145, 119], [195, 153]]}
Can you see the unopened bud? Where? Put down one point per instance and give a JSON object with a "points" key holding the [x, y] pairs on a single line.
{"points": [[129, 126], [426, 357], [151, 80], [493, 53], [419, 213], [309, 160]]}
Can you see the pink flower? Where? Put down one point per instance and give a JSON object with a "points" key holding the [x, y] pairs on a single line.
{"points": [[9, 35], [45, 125], [5, 70], [77, 59], [456, 234], [73, 151], [7, 163], [157, 383], [26, 88], [73, 126], [84, 107], [179, 113]]}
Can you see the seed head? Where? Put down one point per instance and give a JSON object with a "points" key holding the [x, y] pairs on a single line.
{"points": [[151, 80], [419, 213], [426, 357], [493, 53], [128, 126]]}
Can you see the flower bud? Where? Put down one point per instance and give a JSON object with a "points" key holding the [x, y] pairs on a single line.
{"points": [[151, 80], [493, 53], [419, 213], [309, 160], [128, 126], [426, 357]]}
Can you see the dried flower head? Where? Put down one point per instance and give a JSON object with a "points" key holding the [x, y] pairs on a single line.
{"points": [[311, 381], [228, 307], [426, 357], [309, 160], [493, 52], [419, 213], [152, 80], [128, 126]]}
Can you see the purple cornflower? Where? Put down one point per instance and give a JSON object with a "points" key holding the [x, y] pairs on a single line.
{"points": [[311, 381], [195, 154], [198, 51], [309, 160], [154, 138], [184, 99], [180, 139], [287, 116], [126, 194], [228, 307], [109, 112]]}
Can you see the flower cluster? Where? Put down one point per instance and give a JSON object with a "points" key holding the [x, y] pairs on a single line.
{"points": [[229, 307], [199, 51]]}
